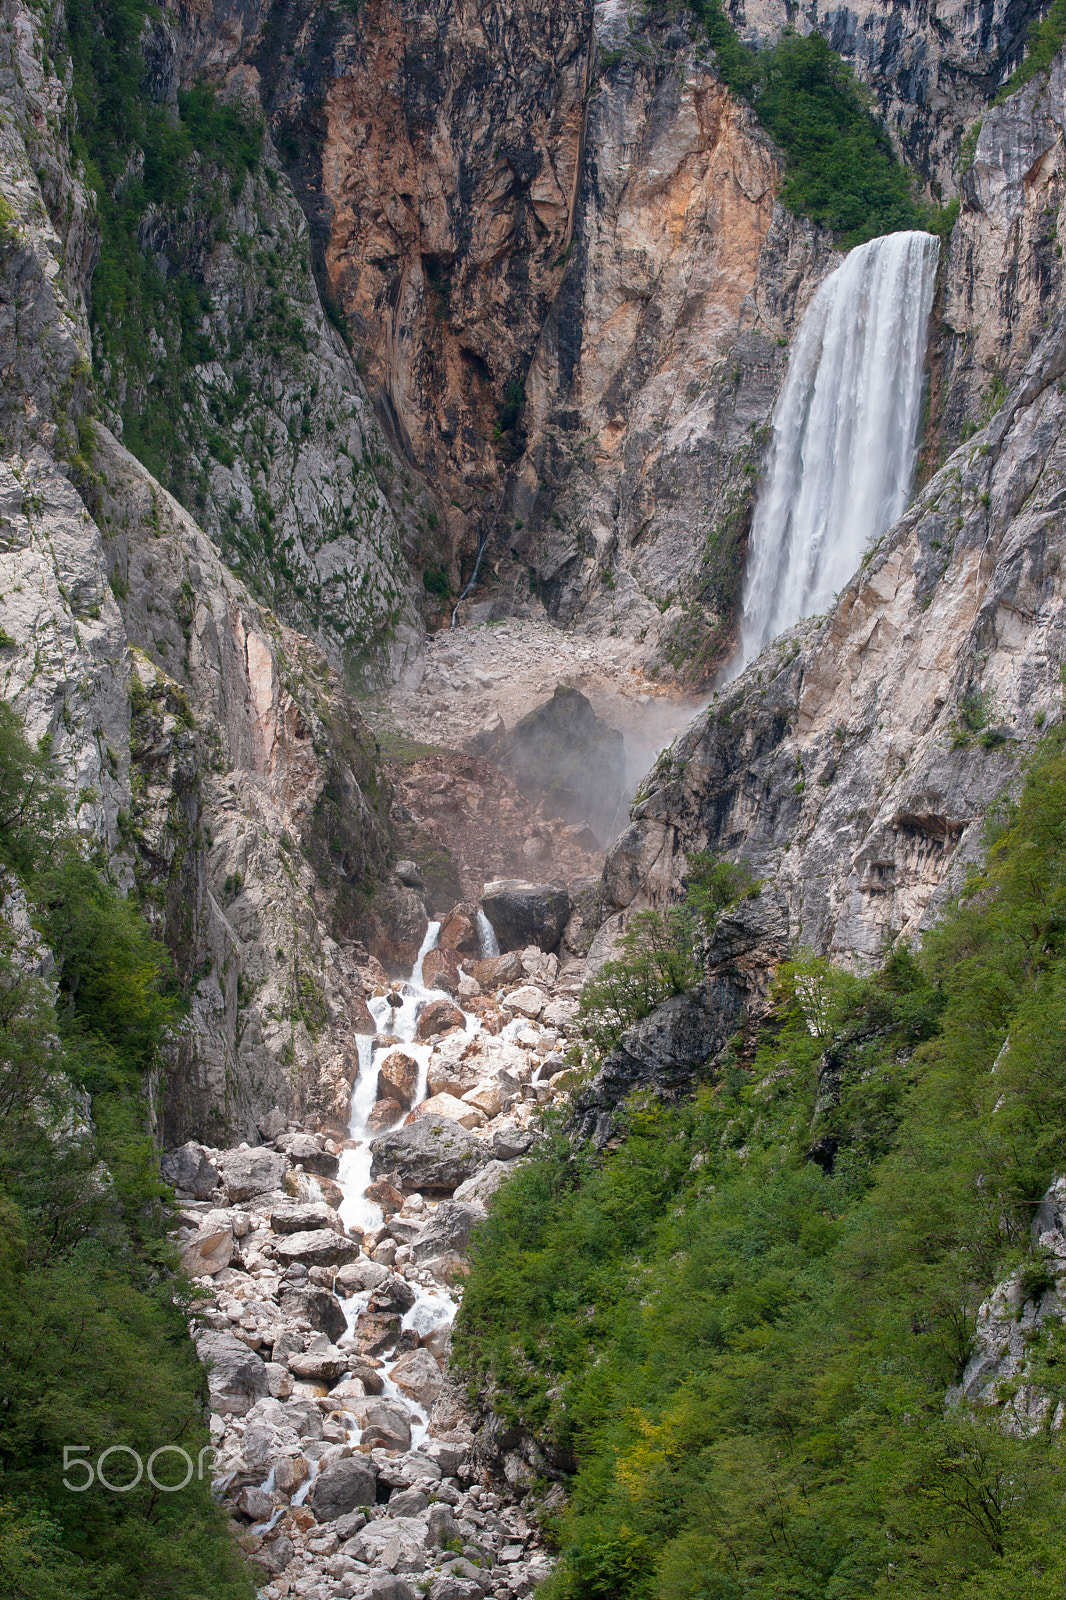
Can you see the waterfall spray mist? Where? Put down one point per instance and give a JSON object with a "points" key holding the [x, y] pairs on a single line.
{"points": [[845, 435]]}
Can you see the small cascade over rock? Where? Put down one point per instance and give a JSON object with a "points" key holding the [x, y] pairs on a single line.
{"points": [[486, 933], [845, 435]]}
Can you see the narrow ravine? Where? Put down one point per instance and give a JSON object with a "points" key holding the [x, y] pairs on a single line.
{"points": [[331, 1271]]}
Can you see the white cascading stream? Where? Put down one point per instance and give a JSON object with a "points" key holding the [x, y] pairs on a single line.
{"points": [[845, 435], [488, 944]]}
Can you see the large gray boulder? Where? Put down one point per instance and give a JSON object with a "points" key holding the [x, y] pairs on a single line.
{"points": [[190, 1169], [360, 1275], [433, 1154], [526, 913], [393, 1295], [449, 1229], [236, 1376], [388, 1425], [208, 1251], [247, 1173], [343, 1486], [419, 1376], [304, 1218], [306, 1150], [442, 1525], [565, 757], [321, 1247], [317, 1308], [385, 1586]]}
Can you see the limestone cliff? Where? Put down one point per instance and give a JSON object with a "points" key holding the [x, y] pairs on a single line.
{"points": [[932, 74], [659, 365], [553, 239], [556, 244], [856, 760], [218, 365], [204, 747]]}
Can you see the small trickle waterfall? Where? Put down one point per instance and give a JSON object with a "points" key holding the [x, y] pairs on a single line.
{"points": [[845, 435], [486, 933]]}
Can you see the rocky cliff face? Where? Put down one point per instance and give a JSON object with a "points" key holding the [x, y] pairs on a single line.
{"points": [[1003, 273], [436, 152], [557, 247], [856, 760], [220, 368], [210, 751], [554, 240], [931, 76], [658, 368]]}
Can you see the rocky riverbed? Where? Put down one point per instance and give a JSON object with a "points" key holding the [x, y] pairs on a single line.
{"points": [[329, 1262]]}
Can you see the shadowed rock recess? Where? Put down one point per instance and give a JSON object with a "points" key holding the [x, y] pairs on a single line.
{"points": [[385, 393]]}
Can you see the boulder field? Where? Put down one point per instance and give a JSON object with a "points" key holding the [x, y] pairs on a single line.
{"points": [[343, 1446]]}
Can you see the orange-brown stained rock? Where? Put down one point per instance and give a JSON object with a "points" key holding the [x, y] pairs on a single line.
{"points": [[440, 970], [374, 1332], [383, 1113], [430, 228], [398, 1078], [458, 933], [385, 1196], [440, 1016]]}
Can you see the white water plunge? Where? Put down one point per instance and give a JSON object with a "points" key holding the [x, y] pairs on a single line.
{"points": [[845, 435]]}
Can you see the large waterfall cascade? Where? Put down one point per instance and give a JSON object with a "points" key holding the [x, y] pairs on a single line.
{"points": [[845, 435]]}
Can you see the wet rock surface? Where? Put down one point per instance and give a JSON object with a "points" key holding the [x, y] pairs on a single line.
{"points": [[351, 1461], [525, 914]]}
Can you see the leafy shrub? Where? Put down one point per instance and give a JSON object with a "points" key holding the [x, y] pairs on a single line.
{"points": [[93, 1343], [742, 1359], [656, 959], [435, 582], [657, 953], [714, 884], [842, 171]]}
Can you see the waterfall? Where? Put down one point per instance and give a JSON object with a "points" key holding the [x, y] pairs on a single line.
{"points": [[486, 934], [845, 435]]}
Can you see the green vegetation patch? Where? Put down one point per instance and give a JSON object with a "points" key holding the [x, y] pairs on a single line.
{"points": [[658, 953], [148, 166], [1045, 41], [736, 1333], [94, 1352], [842, 170]]}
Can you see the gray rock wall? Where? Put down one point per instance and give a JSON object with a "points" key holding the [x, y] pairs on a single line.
{"points": [[931, 74], [195, 734], [855, 761]]}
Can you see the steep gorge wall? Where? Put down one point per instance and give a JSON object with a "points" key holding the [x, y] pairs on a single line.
{"points": [[649, 400], [436, 151], [553, 237], [558, 250], [204, 746], [855, 762]]}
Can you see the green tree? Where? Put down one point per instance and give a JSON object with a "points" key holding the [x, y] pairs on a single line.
{"points": [[655, 960]]}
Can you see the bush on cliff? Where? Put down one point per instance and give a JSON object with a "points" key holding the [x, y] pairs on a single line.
{"points": [[94, 1352], [842, 170], [658, 951], [740, 1328]]}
